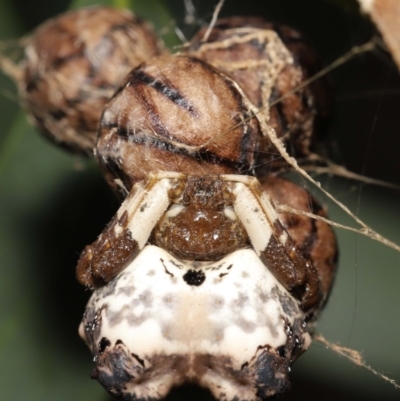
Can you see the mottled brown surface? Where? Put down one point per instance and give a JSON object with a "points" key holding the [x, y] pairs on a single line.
{"points": [[201, 231], [315, 239], [175, 113], [101, 261], [294, 271], [72, 65], [239, 47]]}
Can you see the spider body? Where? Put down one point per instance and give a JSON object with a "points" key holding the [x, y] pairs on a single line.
{"points": [[232, 319]]}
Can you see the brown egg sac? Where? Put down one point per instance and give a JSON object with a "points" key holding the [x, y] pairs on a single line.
{"points": [[268, 61], [72, 65], [177, 114]]}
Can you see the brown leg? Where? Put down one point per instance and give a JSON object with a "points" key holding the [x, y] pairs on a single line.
{"points": [[314, 239]]}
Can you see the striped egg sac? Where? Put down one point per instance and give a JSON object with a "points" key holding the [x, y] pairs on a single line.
{"points": [[72, 65], [272, 63], [179, 114]]}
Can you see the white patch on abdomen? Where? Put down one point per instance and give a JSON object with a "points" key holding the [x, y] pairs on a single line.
{"points": [[153, 310]]}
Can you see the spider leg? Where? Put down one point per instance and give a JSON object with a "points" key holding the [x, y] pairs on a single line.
{"points": [[314, 238], [272, 242], [128, 231]]}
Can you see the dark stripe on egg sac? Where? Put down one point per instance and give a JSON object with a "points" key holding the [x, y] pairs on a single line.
{"points": [[167, 91], [147, 104], [59, 61], [128, 26], [156, 142]]}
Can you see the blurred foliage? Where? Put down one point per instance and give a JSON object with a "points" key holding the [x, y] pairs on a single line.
{"points": [[52, 204]]}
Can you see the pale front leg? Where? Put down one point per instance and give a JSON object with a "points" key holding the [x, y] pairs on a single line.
{"points": [[271, 241], [128, 232]]}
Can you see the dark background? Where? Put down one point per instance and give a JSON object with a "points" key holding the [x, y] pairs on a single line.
{"points": [[52, 204]]}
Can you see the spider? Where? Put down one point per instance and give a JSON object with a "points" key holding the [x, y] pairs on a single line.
{"points": [[77, 247], [190, 290]]}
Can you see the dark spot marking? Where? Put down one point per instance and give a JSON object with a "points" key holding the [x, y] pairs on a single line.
{"points": [[57, 114], [282, 351], [222, 275], [194, 277], [103, 344]]}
